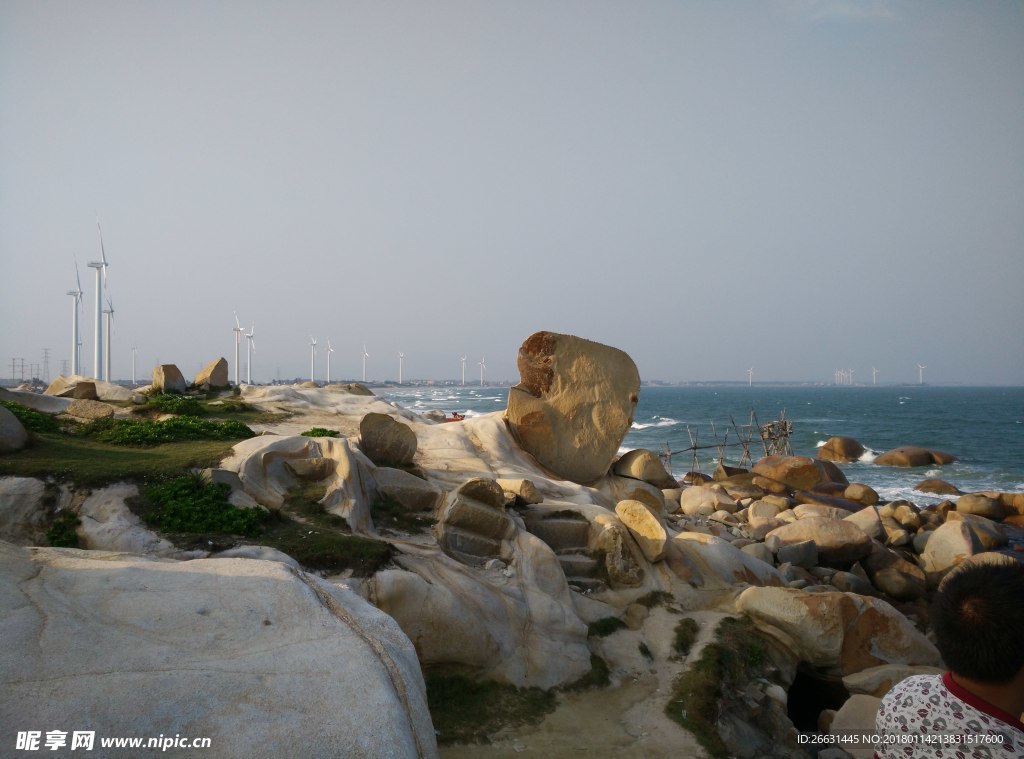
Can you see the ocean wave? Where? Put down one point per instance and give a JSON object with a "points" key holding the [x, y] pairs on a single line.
{"points": [[869, 456], [662, 421]]}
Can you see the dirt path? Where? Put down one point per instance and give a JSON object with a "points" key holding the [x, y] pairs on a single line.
{"points": [[626, 720]]}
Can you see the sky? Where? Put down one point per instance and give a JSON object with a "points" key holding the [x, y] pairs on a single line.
{"points": [[793, 186]]}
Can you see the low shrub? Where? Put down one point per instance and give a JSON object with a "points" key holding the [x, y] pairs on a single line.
{"points": [[189, 505], [320, 432], [604, 627], [172, 430], [685, 635], [174, 403], [63, 532], [32, 420]]}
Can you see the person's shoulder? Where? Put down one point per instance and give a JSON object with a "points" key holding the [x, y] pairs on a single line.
{"points": [[916, 684]]}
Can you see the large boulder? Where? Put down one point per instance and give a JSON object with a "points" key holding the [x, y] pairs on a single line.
{"points": [[981, 505], [167, 378], [386, 441], [213, 375], [841, 448], [72, 387], [646, 529], [641, 464], [839, 542], [799, 472], [951, 544], [254, 655], [24, 513], [473, 523], [573, 405], [841, 632], [13, 436]]}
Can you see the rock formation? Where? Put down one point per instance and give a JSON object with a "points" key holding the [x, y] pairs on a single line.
{"points": [[167, 378], [213, 376], [573, 405], [13, 436]]}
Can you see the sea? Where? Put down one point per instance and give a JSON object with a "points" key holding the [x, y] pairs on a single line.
{"points": [[982, 426]]}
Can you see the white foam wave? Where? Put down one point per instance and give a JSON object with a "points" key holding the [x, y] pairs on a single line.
{"points": [[660, 421], [869, 456]]}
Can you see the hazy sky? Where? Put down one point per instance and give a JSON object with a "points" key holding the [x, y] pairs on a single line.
{"points": [[793, 185]]}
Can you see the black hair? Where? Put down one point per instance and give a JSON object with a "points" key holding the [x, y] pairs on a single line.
{"points": [[978, 618]]}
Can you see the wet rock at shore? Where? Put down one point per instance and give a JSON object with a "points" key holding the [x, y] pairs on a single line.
{"points": [[841, 448], [386, 441], [913, 456], [573, 405]]}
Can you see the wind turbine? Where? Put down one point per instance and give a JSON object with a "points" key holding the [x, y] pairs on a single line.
{"points": [[109, 311], [330, 350], [99, 266], [250, 348], [75, 352], [483, 365], [365, 356], [874, 376], [920, 374], [850, 375], [750, 376], [134, 349], [464, 370], [312, 358], [237, 329], [401, 360]]}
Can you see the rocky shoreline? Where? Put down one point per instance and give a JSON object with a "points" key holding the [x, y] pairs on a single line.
{"points": [[531, 530]]}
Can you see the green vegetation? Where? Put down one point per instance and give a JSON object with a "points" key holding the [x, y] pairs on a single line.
{"points": [[174, 403], [466, 711], [32, 420], [733, 659], [604, 627], [645, 651], [597, 677], [143, 432], [62, 532], [91, 463], [686, 633], [321, 432], [187, 504]]}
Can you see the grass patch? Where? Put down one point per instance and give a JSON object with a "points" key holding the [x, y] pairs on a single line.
{"points": [[326, 548], [143, 432], [685, 635], [62, 533], [92, 463], [32, 420], [604, 627], [189, 505], [733, 659], [467, 711], [175, 403], [320, 432]]}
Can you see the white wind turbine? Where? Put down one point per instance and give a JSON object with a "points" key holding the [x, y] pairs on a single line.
{"points": [[250, 348], [330, 350], [312, 358], [237, 329], [75, 351], [365, 356], [750, 376], [920, 374], [134, 349], [464, 370], [874, 376], [99, 266], [109, 311], [483, 365], [401, 360]]}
